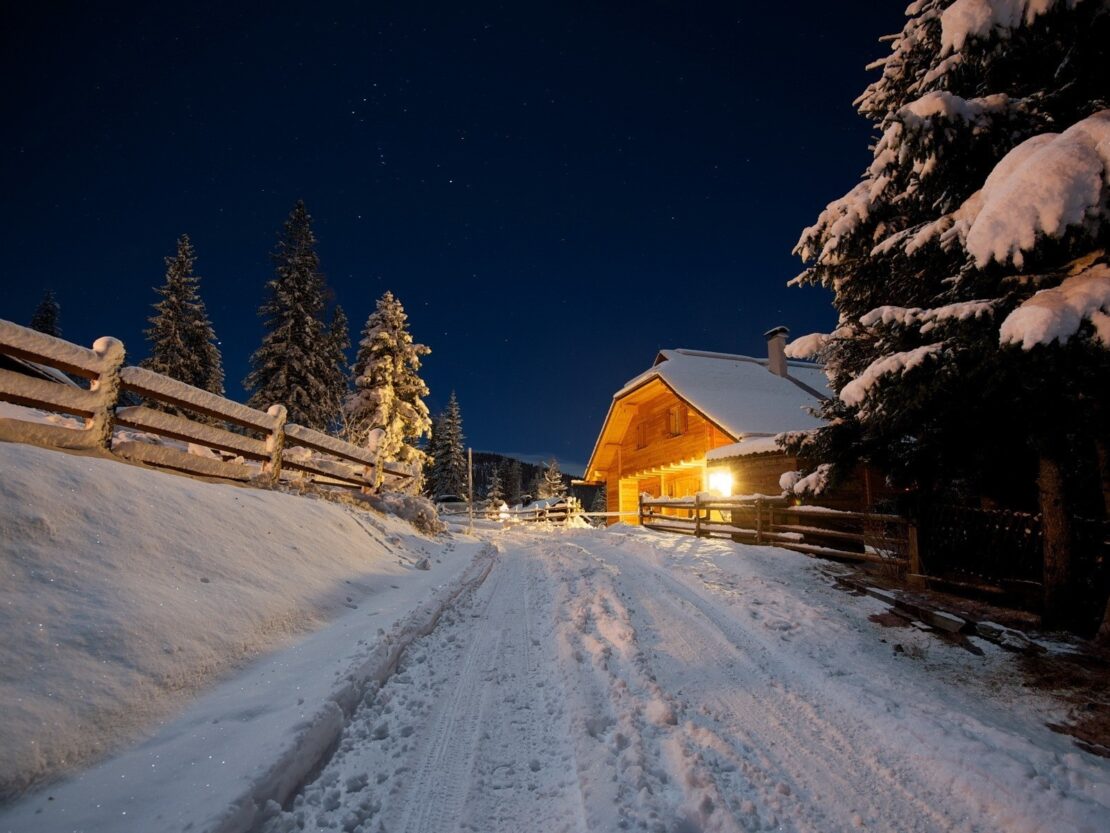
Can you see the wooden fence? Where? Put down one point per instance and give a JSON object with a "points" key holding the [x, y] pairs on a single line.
{"points": [[998, 553], [890, 540], [245, 444]]}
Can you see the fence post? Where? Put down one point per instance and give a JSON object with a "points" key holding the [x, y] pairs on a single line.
{"points": [[913, 554], [697, 515], [759, 520], [275, 443], [107, 384], [641, 508]]}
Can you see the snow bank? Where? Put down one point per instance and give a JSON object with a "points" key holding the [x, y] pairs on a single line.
{"points": [[125, 590], [1057, 314]]}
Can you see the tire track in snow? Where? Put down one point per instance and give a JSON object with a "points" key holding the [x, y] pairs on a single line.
{"points": [[753, 752], [806, 770], [469, 734], [759, 655], [436, 793], [636, 772]]}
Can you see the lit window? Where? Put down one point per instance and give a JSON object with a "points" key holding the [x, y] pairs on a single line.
{"points": [[720, 481]]}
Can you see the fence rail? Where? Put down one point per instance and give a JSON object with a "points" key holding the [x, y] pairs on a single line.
{"points": [[890, 540], [246, 444]]}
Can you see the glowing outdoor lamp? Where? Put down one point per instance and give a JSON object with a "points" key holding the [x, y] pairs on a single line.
{"points": [[721, 481]]}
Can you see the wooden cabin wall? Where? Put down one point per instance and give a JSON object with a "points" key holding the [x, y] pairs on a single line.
{"points": [[759, 474], [660, 447]]}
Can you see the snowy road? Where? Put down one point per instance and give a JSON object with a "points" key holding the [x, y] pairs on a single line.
{"points": [[616, 680]]}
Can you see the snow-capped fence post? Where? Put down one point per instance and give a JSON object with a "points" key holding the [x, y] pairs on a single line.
{"points": [[697, 515], [275, 442], [106, 385], [759, 520]]}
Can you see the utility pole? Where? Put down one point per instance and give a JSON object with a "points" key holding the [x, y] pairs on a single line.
{"points": [[470, 486]]}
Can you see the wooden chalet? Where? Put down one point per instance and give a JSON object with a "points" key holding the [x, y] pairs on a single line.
{"points": [[665, 426]]}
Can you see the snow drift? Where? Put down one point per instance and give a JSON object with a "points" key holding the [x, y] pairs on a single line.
{"points": [[125, 590]]}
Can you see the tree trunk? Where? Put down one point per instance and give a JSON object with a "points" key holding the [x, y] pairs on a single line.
{"points": [[1059, 602], [1103, 636], [1102, 454]]}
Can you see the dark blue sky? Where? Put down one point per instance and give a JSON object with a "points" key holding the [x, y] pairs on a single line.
{"points": [[553, 191]]}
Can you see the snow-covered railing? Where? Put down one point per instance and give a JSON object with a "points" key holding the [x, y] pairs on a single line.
{"points": [[209, 435], [814, 530], [244, 452], [54, 391]]}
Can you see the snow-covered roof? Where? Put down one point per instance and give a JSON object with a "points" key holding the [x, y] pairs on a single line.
{"points": [[739, 393], [744, 448]]}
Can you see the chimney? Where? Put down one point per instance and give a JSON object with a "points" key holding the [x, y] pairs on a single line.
{"points": [[776, 350]]}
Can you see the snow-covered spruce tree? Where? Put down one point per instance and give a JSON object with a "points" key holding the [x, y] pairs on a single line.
{"points": [[45, 319], [600, 502], [448, 471], [290, 367], [970, 271], [495, 494], [431, 454], [514, 482], [386, 410], [183, 344], [551, 484], [335, 364]]}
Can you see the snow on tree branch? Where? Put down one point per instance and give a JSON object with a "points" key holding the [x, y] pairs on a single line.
{"points": [[856, 391], [926, 319], [840, 219], [812, 484], [1046, 184], [979, 19], [1057, 314], [807, 346]]}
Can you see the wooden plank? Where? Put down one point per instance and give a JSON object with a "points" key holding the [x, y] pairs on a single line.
{"points": [[187, 430], [33, 346], [319, 441], [829, 552], [820, 532], [816, 512], [161, 388], [172, 458], [326, 468], [51, 436], [51, 396]]}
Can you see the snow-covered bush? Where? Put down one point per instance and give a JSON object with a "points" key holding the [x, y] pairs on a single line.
{"points": [[416, 509]]}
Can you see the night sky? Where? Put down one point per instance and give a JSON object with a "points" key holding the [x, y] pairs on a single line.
{"points": [[553, 191]]}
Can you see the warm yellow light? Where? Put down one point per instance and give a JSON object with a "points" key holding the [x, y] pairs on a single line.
{"points": [[721, 481]]}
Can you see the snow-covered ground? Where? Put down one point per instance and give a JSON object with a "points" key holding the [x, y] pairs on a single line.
{"points": [[607, 680], [126, 591]]}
